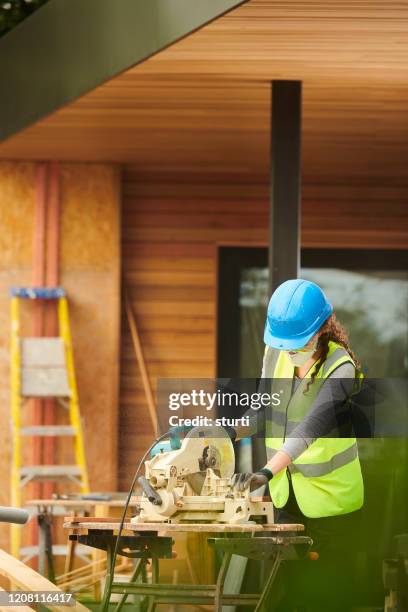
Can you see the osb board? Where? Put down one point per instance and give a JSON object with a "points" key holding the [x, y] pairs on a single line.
{"points": [[89, 223], [90, 272], [17, 200], [16, 215]]}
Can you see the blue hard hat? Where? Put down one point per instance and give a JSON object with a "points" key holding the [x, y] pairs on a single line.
{"points": [[296, 311]]}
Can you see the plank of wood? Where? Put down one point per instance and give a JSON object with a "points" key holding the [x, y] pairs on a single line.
{"points": [[92, 519], [27, 579], [81, 503], [141, 362], [13, 608], [182, 527]]}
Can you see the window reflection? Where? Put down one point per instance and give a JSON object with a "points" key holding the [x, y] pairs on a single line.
{"points": [[372, 305]]}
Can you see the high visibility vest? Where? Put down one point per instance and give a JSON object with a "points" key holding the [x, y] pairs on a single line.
{"points": [[326, 477]]}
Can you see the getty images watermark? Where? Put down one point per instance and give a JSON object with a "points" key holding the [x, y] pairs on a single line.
{"points": [[221, 398], [371, 408], [204, 402]]}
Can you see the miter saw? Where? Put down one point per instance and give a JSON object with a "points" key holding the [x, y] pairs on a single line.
{"points": [[192, 484]]}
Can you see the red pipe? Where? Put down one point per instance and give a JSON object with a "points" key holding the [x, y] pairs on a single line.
{"points": [[51, 320], [38, 314]]}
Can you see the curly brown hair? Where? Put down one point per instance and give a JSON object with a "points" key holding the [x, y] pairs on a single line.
{"points": [[332, 330]]}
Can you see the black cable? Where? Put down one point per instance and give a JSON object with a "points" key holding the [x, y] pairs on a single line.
{"points": [[108, 587]]}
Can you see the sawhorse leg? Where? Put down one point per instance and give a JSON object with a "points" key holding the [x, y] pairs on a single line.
{"points": [[110, 572], [45, 557], [221, 580], [71, 548], [262, 603], [155, 580], [140, 566], [69, 559]]}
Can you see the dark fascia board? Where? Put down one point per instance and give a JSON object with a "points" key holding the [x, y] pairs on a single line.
{"points": [[69, 47]]}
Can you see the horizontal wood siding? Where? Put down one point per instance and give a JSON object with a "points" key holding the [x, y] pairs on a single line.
{"points": [[171, 228]]}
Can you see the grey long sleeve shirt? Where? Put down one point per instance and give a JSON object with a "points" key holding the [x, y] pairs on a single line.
{"points": [[326, 412], [329, 415]]}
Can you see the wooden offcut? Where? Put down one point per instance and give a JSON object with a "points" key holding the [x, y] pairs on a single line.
{"points": [[13, 608], [137, 345], [27, 579]]}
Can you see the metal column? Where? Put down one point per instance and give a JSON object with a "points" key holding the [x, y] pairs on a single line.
{"points": [[284, 238]]}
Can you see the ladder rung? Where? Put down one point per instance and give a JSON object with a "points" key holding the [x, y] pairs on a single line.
{"points": [[48, 430], [50, 471]]}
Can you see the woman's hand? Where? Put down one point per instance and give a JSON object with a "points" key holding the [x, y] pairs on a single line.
{"points": [[251, 480]]}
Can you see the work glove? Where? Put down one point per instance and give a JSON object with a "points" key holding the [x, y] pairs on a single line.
{"points": [[251, 480]]}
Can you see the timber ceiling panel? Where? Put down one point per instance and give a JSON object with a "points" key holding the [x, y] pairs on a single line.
{"points": [[203, 104], [329, 40]]}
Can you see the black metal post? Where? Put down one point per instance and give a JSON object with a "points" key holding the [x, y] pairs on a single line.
{"points": [[284, 237]]}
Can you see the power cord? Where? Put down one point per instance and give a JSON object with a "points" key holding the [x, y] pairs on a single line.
{"points": [[108, 586]]}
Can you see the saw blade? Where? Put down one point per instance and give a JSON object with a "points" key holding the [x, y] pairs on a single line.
{"points": [[219, 444]]}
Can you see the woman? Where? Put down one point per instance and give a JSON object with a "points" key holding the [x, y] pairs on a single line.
{"points": [[312, 465]]}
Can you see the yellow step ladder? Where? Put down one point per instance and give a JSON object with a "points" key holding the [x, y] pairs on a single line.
{"points": [[43, 368]]}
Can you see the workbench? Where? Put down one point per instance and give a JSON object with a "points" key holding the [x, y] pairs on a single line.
{"points": [[48, 509], [154, 541]]}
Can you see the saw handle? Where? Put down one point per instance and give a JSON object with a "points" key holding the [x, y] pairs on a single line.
{"points": [[174, 435], [174, 441], [150, 493]]}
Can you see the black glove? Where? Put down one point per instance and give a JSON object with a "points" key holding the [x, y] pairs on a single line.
{"points": [[253, 480]]}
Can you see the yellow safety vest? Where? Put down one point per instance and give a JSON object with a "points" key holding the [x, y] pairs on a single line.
{"points": [[326, 477]]}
